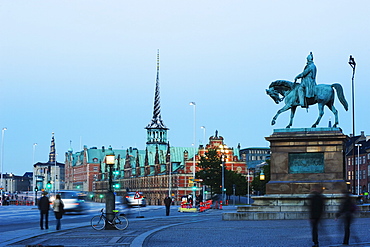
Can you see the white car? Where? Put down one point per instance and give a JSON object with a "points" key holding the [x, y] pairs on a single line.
{"points": [[135, 199], [73, 200]]}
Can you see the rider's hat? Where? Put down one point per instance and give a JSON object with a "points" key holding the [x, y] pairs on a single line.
{"points": [[310, 57]]}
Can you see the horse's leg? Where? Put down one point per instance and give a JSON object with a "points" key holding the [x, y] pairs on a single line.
{"points": [[335, 112], [285, 108], [292, 112], [321, 113]]}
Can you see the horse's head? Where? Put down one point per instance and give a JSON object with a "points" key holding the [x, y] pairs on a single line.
{"points": [[274, 95], [279, 88]]}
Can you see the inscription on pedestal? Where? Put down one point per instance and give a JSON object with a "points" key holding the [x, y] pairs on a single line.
{"points": [[306, 163]]}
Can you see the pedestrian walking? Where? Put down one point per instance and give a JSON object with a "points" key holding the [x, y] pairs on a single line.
{"points": [[167, 203], [317, 206], [58, 208], [44, 206], [347, 209]]}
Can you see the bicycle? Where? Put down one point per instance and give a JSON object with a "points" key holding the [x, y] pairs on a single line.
{"points": [[119, 221]]}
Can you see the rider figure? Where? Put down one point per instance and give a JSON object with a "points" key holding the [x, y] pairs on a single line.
{"points": [[308, 81]]}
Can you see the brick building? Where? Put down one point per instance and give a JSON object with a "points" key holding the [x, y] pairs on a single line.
{"points": [[358, 163], [157, 171]]}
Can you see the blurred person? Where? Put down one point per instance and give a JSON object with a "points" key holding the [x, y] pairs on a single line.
{"points": [[58, 208], [347, 210], [167, 203], [44, 206], [316, 206]]}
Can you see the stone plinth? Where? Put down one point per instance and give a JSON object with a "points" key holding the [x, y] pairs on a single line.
{"points": [[303, 158]]}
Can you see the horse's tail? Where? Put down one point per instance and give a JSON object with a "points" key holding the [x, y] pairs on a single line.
{"points": [[340, 94]]}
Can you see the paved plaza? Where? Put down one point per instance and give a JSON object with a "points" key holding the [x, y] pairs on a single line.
{"points": [[197, 229]]}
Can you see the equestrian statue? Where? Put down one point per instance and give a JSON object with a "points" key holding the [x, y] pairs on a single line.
{"points": [[305, 94]]}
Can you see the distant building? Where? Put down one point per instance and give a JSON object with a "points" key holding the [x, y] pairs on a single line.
{"points": [[254, 156], [15, 184], [157, 171], [358, 163], [51, 172]]}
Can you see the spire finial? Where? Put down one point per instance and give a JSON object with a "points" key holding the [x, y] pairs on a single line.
{"points": [[157, 64], [52, 153], [157, 119]]}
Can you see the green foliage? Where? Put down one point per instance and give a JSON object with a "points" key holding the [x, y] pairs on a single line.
{"points": [[239, 180], [211, 173], [260, 185], [211, 170]]}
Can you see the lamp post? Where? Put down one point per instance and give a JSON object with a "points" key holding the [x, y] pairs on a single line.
{"points": [[169, 174], [248, 195], [352, 63], [358, 145], [34, 173], [194, 140], [2, 164], [224, 150], [55, 174], [204, 136], [110, 197]]}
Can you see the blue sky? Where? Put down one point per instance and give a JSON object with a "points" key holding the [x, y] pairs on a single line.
{"points": [[86, 69]]}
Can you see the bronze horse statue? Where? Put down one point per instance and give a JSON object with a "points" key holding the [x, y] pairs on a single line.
{"points": [[324, 96]]}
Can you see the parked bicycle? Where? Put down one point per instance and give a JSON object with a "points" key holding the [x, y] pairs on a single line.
{"points": [[119, 221]]}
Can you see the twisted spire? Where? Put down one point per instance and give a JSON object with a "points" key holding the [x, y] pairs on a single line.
{"points": [[156, 122], [52, 153]]}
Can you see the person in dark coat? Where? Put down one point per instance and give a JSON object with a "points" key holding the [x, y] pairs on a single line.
{"points": [[347, 209], [44, 206], [167, 203], [317, 205]]}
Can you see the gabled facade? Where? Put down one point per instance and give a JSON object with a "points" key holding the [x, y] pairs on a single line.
{"points": [[358, 163], [157, 171]]}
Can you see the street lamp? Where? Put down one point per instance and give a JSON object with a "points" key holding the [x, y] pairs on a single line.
{"points": [[169, 174], [2, 164], [55, 174], [34, 173], [194, 143], [248, 177], [224, 150], [204, 135], [262, 175], [358, 145], [110, 197], [352, 63]]}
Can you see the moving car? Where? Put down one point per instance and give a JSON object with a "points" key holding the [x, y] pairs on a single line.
{"points": [[135, 199], [73, 200]]}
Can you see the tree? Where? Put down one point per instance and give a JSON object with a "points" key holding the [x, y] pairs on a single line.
{"points": [[233, 178], [211, 172]]}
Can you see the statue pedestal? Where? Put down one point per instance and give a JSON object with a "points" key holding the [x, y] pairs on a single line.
{"points": [[301, 159]]}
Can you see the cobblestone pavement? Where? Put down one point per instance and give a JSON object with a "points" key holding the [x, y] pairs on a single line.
{"points": [[206, 229]]}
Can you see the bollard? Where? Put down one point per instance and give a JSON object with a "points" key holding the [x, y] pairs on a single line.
{"points": [[220, 204]]}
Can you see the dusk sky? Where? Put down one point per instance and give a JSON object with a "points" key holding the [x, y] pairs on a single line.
{"points": [[86, 70]]}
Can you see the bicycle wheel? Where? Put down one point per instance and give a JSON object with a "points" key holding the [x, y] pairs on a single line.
{"points": [[120, 222], [98, 222]]}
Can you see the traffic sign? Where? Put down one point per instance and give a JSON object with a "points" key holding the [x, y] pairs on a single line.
{"points": [[137, 195]]}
